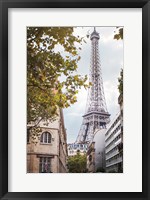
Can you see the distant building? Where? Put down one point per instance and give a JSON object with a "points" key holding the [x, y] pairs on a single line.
{"points": [[114, 145], [49, 155], [96, 152], [74, 148]]}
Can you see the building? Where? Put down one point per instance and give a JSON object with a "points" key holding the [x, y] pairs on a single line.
{"points": [[91, 158], [120, 101], [96, 152], [114, 145], [75, 148], [47, 153]]}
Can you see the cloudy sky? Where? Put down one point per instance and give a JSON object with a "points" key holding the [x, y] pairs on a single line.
{"points": [[111, 57]]}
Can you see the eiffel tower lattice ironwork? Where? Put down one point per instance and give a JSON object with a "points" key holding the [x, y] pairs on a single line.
{"points": [[96, 115]]}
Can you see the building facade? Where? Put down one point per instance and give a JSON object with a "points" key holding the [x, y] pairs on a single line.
{"points": [[47, 153], [91, 158], [75, 148], [120, 101], [114, 145]]}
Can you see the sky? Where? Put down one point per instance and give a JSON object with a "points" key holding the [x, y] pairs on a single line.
{"points": [[111, 58]]}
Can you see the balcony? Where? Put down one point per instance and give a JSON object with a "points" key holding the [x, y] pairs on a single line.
{"points": [[113, 162], [113, 137], [112, 154], [112, 129], [114, 145]]}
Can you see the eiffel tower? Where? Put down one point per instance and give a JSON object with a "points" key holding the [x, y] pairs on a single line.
{"points": [[96, 115]]}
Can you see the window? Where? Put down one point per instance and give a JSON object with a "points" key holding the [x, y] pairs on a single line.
{"points": [[28, 135], [90, 158], [44, 165], [46, 138]]}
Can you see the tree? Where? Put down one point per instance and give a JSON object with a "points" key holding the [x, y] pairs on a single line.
{"points": [[120, 80], [119, 34], [52, 57], [77, 163]]}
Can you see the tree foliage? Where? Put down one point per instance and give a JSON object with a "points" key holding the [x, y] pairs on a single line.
{"points": [[120, 80], [52, 57], [119, 34], [77, 163]]}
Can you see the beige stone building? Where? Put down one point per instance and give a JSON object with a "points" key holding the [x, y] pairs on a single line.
{"points": [[91, 157], [49, 154]]}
